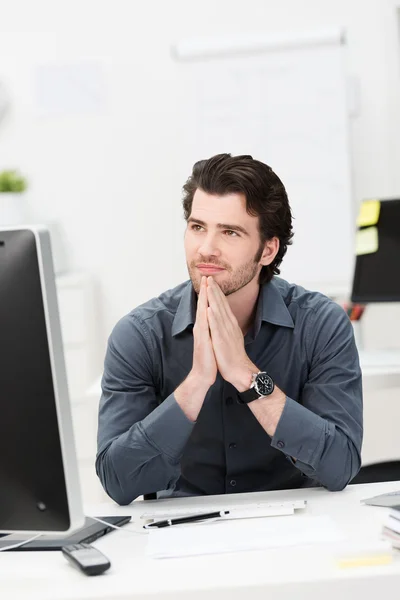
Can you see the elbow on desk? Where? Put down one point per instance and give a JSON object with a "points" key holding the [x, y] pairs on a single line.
{"points": [[337, 486], [118, 495], [121, 499], [340, 483], [110, 482], [345, 475]]}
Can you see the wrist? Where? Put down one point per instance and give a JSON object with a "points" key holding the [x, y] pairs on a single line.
{"points": [[268, 410], [190, 396], [198, 381], [277, 398], [242, 376]]}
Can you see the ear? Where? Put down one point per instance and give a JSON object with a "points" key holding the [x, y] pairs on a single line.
{"points": [[271, 248]]}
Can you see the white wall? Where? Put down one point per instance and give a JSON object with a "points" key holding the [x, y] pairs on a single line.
{"points": [[113, 180]]}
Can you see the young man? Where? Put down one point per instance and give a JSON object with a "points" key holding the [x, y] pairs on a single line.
{"points": [[236, 380]]}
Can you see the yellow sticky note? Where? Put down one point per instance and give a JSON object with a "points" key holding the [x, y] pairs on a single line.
{"points": [[369, 213], [367, 241], [365, 561]]}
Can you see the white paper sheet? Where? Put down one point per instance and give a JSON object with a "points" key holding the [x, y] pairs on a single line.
{"points": [[236, 536]]}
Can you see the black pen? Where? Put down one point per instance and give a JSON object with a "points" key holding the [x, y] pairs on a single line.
{"points": [[188, 519]]}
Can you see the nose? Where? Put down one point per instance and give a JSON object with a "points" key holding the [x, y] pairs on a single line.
{"points": [[209, 245]]}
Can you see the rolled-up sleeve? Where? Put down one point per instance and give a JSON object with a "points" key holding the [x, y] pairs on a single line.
{"points": [[141, 436], [323, 430]]}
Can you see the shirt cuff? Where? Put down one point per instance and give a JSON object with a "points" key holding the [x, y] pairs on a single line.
{"points": [[299, 433], [168, 428]]}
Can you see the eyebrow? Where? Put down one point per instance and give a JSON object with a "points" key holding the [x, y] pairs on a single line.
{"points": [[220, 225]]}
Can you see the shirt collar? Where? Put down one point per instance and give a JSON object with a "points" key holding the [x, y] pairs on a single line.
{"points": [[271, 308]]}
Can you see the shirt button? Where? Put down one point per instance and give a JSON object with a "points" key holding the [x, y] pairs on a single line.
{"points": [[232, 445], [280, 444], [232, 482], [229, 400]]}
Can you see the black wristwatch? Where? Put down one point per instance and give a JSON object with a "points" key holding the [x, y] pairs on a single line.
{"points": [[262, 385]]}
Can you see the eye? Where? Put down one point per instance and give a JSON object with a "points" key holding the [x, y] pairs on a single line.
{"points": [[195, 227], [231, 233]]}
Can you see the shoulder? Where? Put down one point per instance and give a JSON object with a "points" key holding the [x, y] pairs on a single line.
{"points": [[317, 317], [323, 325], [163, 306], [300, 300], [150, 316]]}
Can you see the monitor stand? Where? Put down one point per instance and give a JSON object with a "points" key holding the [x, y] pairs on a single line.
{"points": [[90, 532]]}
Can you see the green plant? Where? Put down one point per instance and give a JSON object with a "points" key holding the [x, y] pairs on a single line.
{"points": [[12, 181]]}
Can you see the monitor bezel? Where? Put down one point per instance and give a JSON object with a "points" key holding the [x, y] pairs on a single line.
{"points": [[60, 384], [369, 298]]}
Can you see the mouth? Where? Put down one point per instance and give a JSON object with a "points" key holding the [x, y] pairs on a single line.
{"points": [[209, 269]]}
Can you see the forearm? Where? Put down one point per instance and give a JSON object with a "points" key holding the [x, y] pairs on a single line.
{"points": [[126, 473], [190, 395], [145, 458], [314, 445], [321, 450], [338, 462], [267, 410]]}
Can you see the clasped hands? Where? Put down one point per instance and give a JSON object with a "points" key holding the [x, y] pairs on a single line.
{"points": [[218, 340]]}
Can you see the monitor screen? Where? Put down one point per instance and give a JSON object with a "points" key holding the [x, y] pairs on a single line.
{"points": [[377, 275], [39, 483]]}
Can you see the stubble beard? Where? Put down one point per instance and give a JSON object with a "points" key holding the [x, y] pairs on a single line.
{"points": [[237, 280]]}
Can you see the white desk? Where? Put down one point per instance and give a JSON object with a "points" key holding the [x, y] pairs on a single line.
{"points": [[380, 370], [283, 574]]}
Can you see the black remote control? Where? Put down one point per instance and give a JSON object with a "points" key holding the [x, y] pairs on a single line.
{"points": [[87, 558]]}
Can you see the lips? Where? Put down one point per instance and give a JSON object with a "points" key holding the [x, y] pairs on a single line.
{"points": [[209, 268]]}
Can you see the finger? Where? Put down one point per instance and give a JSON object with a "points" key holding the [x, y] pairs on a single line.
{"points": [[213, 322], [215, 293], [202, 303], [221, 328], [222, 309], [217, 298], [224, 300]]}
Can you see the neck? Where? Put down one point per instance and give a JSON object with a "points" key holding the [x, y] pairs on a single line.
{"points": [[243, 304]]}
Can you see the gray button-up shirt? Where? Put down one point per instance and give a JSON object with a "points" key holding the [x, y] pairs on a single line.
{"points": [[146, 444]]}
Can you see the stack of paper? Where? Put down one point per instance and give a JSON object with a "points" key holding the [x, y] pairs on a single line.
{"points": [[391, 526]]}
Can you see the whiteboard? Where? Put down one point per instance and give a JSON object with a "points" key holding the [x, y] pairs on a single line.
{"points": [[283, 100]]}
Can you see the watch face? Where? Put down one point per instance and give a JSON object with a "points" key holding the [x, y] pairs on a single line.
{"points": [[264, 384]]}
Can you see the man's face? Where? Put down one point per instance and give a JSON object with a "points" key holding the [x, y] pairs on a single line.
{"points": [[222, 240]]}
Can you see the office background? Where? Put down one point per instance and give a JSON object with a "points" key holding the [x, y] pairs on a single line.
{"points": [[95, 124]]}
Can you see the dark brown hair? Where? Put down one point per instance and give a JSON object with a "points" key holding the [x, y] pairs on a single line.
{"points": [[265, 197]]}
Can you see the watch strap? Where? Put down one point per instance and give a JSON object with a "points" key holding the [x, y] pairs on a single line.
{"points": [[248, 396]]}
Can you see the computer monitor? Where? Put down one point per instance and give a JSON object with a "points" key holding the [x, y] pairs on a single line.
{"points": [[377, 274], [39, 481]]}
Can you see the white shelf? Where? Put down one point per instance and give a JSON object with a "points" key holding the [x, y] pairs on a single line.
{"points": [[76, 300]]}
